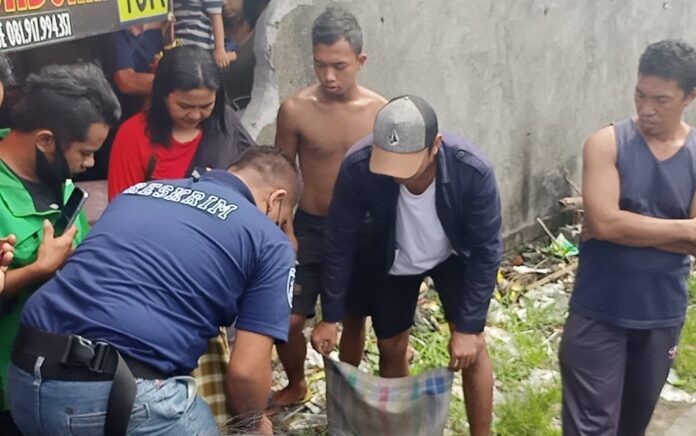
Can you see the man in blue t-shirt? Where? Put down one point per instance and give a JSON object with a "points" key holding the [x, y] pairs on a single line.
{"points": [[130, 60], [168, 263]]}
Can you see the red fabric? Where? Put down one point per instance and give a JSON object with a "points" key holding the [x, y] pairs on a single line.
{"points": [[131, 151]]}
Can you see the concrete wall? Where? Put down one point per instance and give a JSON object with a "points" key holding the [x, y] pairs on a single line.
{"points": [[526, 79]]}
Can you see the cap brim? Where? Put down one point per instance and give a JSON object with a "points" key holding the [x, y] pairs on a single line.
{"points": [[399, 165]]}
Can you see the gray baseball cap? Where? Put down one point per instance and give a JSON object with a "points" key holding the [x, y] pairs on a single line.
{"points": [[404, 129]]}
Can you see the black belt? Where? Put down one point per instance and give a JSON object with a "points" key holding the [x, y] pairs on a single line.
{"points": [[72, 357]]}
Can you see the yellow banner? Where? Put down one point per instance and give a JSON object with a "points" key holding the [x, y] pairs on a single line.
{"points": [[131, 10]]}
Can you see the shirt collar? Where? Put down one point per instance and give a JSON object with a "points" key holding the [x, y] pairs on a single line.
{"points": [[227, 178], [442, 172]]}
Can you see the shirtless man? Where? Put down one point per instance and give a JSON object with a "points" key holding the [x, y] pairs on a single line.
{"points": [[319, 124]]}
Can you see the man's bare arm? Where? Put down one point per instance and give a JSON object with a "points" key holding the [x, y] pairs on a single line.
{"points": [[249, 376], [682, 247], [131, 82], [601, 191], [287, 135]]}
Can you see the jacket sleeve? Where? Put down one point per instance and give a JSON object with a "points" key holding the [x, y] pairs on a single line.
{"points": [[483, 238], [343, 223]]}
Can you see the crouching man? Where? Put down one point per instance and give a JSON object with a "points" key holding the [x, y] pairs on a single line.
{"points": [[107, 345]]}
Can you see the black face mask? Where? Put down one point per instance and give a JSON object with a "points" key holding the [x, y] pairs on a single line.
{"points": [[53, 173]]}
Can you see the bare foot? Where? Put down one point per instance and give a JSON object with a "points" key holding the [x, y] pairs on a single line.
{"points": [[289, 395]]}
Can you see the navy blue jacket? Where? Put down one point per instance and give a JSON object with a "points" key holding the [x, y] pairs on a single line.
{"points": [[468, 206]]}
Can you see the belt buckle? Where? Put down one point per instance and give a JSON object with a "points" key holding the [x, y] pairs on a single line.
{"points": [[78, 351], [101, 350], [81, 351]]}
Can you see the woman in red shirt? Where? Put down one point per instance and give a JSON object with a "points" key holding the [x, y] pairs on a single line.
{"points": [[188, 124]]}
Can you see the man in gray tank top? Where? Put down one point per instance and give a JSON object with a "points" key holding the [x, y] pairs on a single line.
{"points": [[630, 297]]}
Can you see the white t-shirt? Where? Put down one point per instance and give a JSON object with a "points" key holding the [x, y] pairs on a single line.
{"points": [[421, 243]]}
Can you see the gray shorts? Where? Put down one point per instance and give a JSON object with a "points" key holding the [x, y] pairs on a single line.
{"points": [[309, 230], [612, 376]]}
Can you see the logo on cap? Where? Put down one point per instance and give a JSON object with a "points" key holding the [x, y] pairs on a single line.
{"points": [[393, 138]]}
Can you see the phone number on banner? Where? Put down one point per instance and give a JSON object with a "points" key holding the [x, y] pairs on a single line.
{"points": [[34, 29]]}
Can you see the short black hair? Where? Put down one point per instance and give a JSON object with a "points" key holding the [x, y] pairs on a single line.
{"points": [[335, 23], [6, 76], [184, 68], [67, 100], [672, 59], [273, 167]]}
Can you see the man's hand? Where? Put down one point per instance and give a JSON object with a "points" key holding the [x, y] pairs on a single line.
{"points": [[6, 255], [54, 251], [325, 337], [464, 349]]}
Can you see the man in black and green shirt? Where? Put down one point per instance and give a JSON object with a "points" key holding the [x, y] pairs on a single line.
{"points": [[61, 120]]}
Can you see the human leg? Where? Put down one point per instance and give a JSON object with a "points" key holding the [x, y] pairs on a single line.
{"points": [[592, 358], [477, 381], [352, 339], [392, 318], [477, 378], [359, 299], [650, 355], [392, 355], [292, 355]]}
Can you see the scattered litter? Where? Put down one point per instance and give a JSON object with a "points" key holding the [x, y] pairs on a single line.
{"points": [[674, 379], [562, 247], [523, 269]]}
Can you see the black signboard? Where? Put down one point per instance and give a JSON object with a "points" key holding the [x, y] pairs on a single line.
{"points": [[31, 23]]}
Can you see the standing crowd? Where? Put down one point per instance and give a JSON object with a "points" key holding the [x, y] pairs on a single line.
{"points": [[357, 202]]}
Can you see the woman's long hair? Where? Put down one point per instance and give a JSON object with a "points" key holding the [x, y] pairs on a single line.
{"points": [[183, 69]]}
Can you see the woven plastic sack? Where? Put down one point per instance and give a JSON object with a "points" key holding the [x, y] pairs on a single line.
{"points": [[360, 404]]}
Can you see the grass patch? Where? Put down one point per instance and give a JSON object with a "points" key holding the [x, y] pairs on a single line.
{"points": [[529, 349], [531, 412], [686, 358]]}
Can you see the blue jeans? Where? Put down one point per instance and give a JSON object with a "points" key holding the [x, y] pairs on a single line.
{"points": [[56, 407]]}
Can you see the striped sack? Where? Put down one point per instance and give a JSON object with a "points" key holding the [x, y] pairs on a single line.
{"points": [[358, 403]]}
